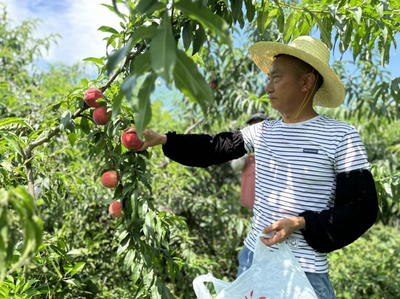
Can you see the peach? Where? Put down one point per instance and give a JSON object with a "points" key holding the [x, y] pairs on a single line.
{"points": [[100, 115], [214, 84], [115, 209], [110, 179], [131, 140], [91, 96]]}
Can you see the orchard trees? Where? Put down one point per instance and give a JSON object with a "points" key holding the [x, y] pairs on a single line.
{"points": [[61, 155]]}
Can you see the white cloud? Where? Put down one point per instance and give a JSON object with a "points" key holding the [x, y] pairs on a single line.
{"points": [[76, 21]]}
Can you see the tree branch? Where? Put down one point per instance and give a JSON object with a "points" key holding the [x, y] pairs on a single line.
{"points": [[27, 153], [116, 74], [194, 125]]}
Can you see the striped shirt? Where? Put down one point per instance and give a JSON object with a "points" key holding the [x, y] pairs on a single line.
{"points": [[296, 167]]}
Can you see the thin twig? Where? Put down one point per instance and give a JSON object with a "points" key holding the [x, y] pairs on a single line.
{"points": [[115, 75], [194, 125]]}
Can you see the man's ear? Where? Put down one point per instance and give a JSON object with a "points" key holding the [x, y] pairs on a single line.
{"points": [[308, 81]]}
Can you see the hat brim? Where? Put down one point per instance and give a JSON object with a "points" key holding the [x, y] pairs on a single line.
{"points": [[332, 92]]}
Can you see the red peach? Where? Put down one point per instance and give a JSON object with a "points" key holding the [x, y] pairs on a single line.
{"points": [[91, 96], [115, 209], [100, 115], [131, 140], [109, 179], [214, 84]]}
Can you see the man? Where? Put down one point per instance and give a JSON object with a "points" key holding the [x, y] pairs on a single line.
{"points": [[313, 184]]}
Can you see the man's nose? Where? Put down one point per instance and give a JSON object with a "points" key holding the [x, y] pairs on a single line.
{"points": [[269, 88]]}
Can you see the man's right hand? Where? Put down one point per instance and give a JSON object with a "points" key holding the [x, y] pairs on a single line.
{"points": [[151, 138]]}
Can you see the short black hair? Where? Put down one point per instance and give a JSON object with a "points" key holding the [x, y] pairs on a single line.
{"points": [[304, 68]]}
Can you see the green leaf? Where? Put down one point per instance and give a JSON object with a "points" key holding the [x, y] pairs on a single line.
{"points": [[202, 14], [74, 282], [78, 268], [280, 19], [129, 258], [74, 252], [12, 141], [108, 29], [198, 39], [250, 10], [189, 80], [127, 87], [141, 64], [95, 60], [65, 120], [23, 203], [72, 138], [262, 17], [236, 6], [143, 32], [148, 226], [187, 34], [162, 290], [357, 15], [14, 120], [143, 116], [325, 35], [287, 32], [84, 125], [116, 57], [145, 5], [163, 50], [116, 107]]}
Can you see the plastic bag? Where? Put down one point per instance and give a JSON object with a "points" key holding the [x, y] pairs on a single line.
{"points": [[272, 275]]}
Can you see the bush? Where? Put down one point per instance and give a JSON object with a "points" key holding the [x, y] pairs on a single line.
{"points": [[370, 267]]}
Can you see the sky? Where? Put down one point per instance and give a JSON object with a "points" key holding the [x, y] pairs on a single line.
{"points": [[77, 21]]}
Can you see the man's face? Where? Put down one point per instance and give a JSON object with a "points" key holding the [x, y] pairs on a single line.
{"points": [[285, 85]]}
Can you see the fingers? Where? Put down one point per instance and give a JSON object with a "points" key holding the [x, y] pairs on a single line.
{"points": [[131, 129], [282, 229], [269, 241], [269, 229]]}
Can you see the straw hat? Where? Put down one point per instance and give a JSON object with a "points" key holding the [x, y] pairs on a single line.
{"points": [[312, 51]]}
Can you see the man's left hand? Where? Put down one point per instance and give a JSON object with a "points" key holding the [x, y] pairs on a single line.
{"points": [[283, 229]]}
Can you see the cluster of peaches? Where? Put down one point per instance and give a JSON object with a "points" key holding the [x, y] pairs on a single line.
{"points": [[110, 178]]}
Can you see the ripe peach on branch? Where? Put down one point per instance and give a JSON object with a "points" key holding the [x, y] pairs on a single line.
{"points": [[100, 115], [131, 140], [115, 209], [91, 96], [214, 84], [110, 179]]}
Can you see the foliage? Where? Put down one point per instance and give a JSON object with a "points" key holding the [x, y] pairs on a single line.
{"points": [[368, 268], [178, 222], [31, 229]]}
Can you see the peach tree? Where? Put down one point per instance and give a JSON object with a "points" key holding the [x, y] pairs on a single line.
{"points": [[188, 47]]}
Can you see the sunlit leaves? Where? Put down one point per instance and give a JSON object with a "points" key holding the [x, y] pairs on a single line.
{"points": [[22, 204], [143, 32], [163, 50], [14, 120], [191, 82], [116, 57], [145, 5], [143, 116], [209, 20]]}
